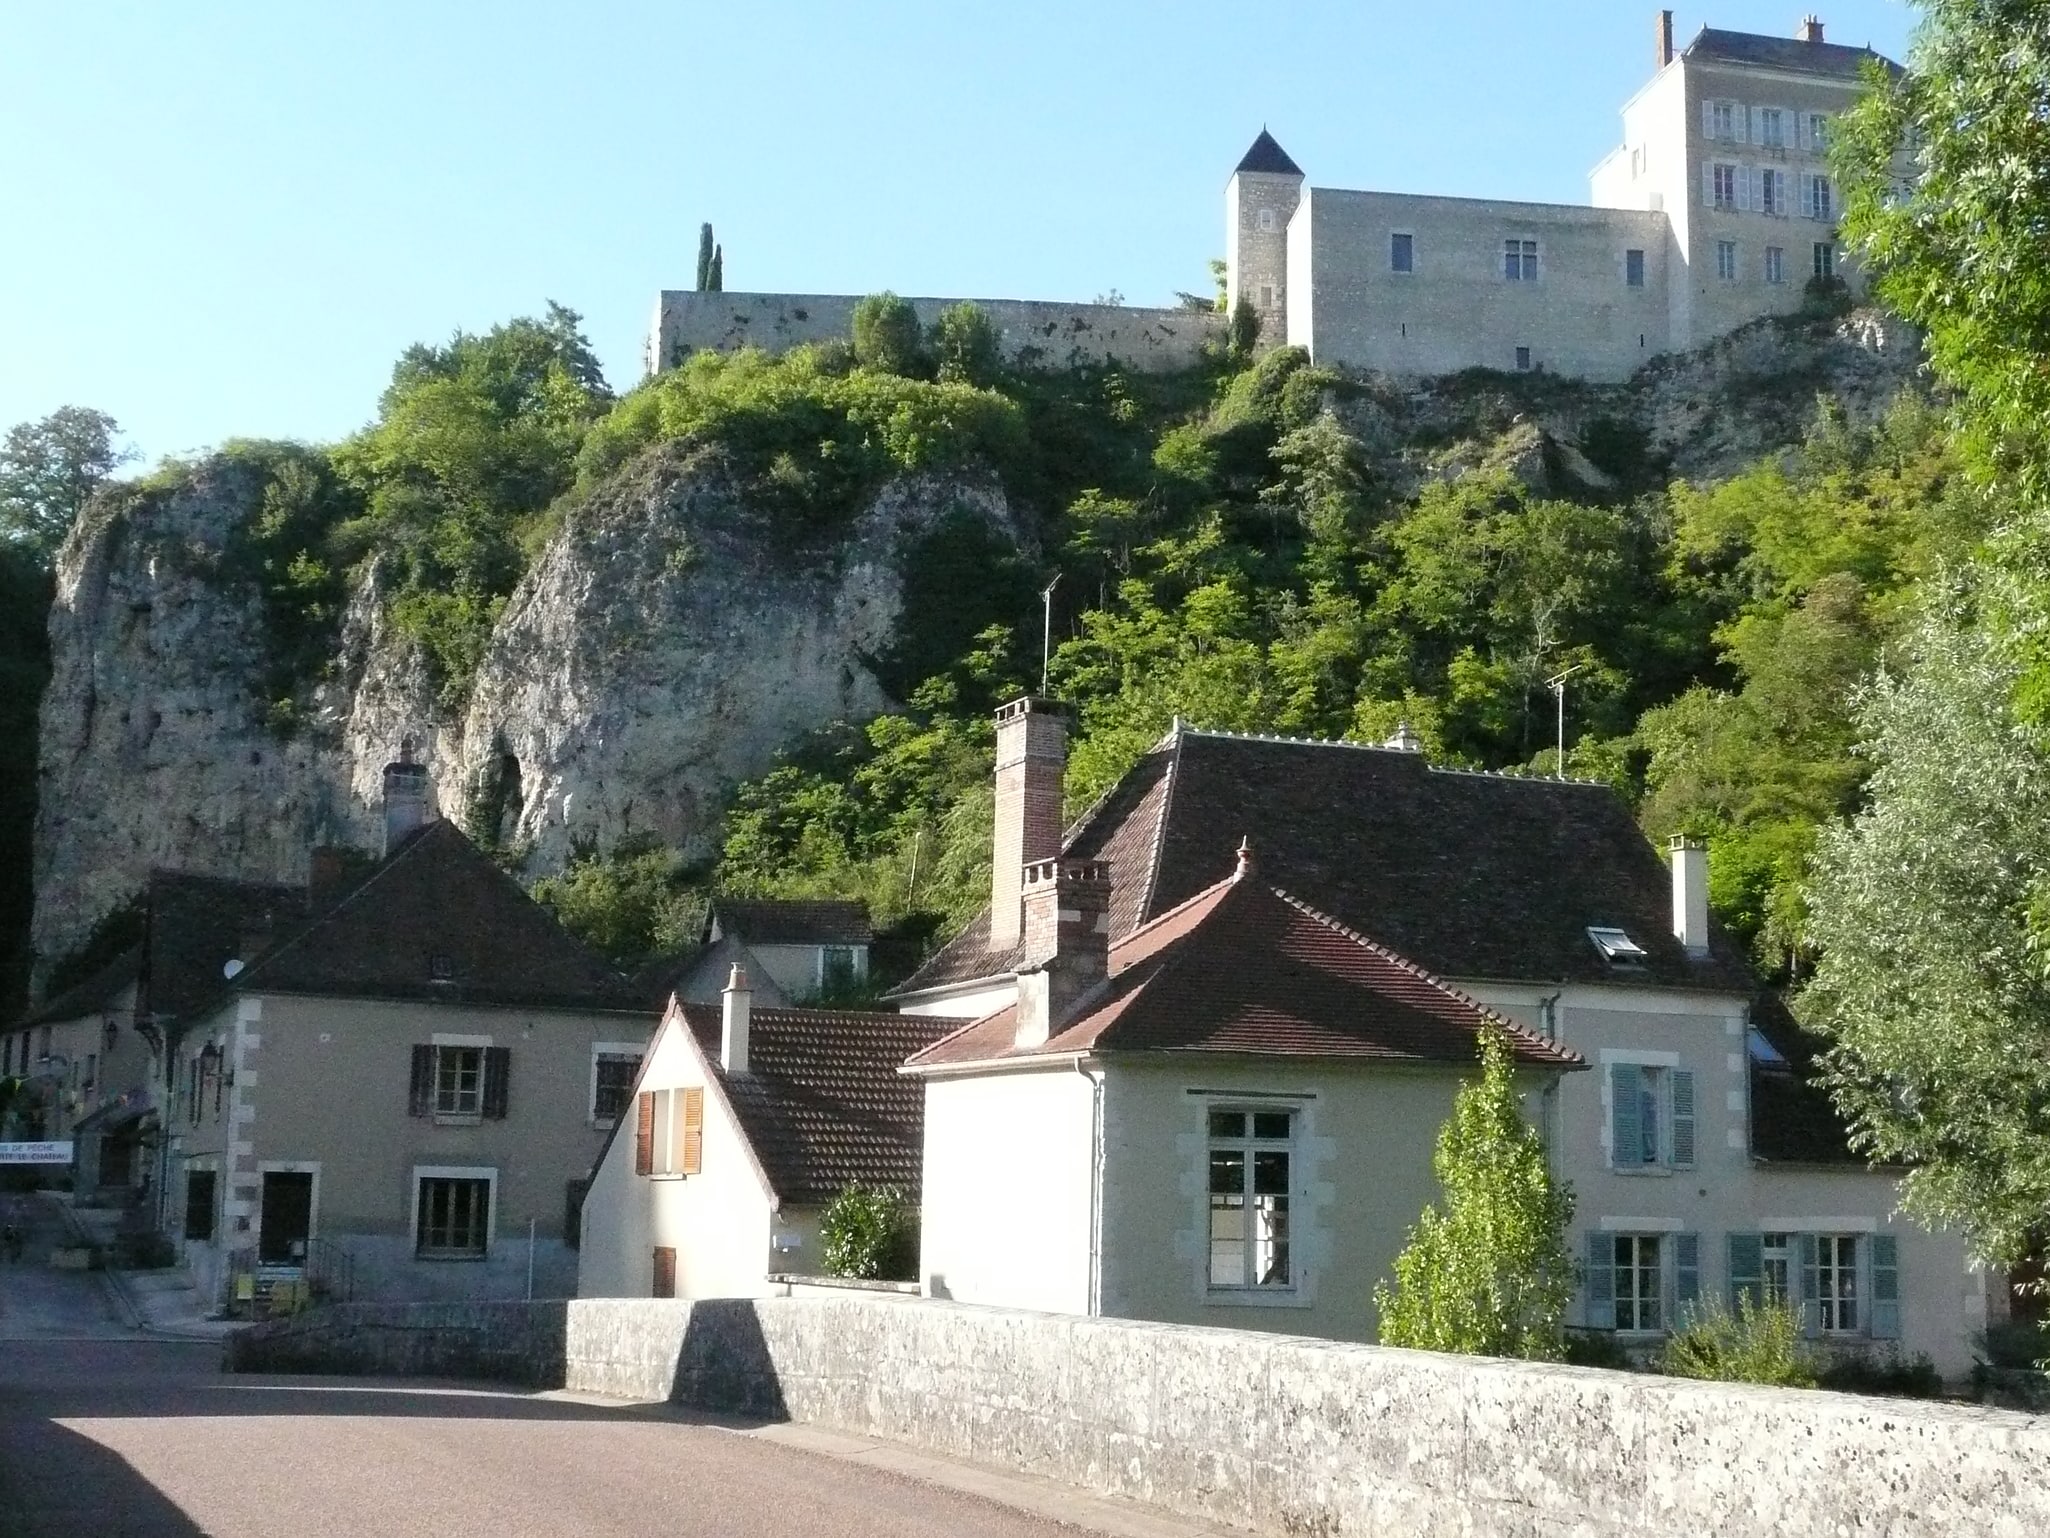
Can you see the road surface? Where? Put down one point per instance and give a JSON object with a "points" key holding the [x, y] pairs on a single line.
{"points": [[107, 1434]]}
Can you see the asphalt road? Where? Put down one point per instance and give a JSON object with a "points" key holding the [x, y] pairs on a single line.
{"points": [[107, 1434]]}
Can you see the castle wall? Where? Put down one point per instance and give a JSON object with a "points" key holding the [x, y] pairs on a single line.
{"points": [[1455, 309], [1034, 332]]}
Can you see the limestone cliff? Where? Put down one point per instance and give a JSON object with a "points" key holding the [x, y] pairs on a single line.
{"points": [[668, 641]]}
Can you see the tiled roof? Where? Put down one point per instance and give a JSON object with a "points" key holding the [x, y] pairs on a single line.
{"points": [[1480, 876], [1243, 967], [1711, 44], [1268, 155], [439, 903], [822, 1103], [806, 922], [1792, 1118], [91, 993]]}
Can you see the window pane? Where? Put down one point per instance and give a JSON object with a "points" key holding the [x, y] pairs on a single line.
{"points": [[1270, 1241], [1270, 1173], [1227, 1123], [1271, 1124], [1227, 1241], [1227, 1171]]}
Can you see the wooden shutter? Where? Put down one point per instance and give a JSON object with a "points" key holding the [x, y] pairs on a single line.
{"points": [[1886, 1287], [693, 1131], [1708, 120], [421, 1101], [1686, 1275], [665, 1272], [1708, 184], [1601, 1281], [644, 1133], [1683, 1118], [497, 1081], [1747, 1269], [1626, 1130], [1811, 1287]]}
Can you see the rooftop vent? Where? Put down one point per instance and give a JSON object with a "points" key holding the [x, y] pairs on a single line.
{"points": [[1617, 948]]}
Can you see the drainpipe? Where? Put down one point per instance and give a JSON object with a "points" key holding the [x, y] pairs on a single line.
{"points": [[1095, 1188]]}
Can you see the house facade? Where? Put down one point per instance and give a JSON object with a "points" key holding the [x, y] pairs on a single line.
{"points": [[1704, 1163], [745, 1123], [792, 950]]}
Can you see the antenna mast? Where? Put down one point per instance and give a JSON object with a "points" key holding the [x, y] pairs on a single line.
{"points": [[1557, 684], [1046, 637]]}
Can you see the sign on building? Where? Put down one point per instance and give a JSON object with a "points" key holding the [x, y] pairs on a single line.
{"points": [[36, 1153]]}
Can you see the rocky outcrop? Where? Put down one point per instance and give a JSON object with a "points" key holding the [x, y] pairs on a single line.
{"points": [[668, 641]]}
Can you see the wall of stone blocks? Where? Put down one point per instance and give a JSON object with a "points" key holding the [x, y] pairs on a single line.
{"points": [[1034, 333], [1275, 1433]]}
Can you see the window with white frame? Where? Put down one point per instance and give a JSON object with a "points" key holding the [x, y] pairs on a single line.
{"points": [[1836, 1283], [614, 1066], [1818, 130], [458, 1081], [1776, 1268], [1772, 127], [1722, 120], [1839, 1284], [1251, 1165], [1775, 264], [1401, 252], [1772, 192], [1640, 1282], [1724, 181], [1825, 259], [1520, 261], [1726, 260], [1651, 1116], [1816, 198], [452, 1214]]}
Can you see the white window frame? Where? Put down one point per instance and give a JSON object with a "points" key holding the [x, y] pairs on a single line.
{"points": [[423, 1173], [638, 1051], [1772, 128], [1666, 1065], [857, 969], [1775, 264], [1248, 1290], [1772, 192], [1822, 258], [1659, 1269], [666, 1151], [1723, 179], [1722, 121], [1726, 260], [1830, 1268], [1779, 1268], [1818, 130], [1523, 250]]}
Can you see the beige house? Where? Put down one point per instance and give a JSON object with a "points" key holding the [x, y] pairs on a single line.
{"points": [[745, 1124], [399, 1098], [1705, 1161]]}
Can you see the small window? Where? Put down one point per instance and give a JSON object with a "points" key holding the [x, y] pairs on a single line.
{"points": [[1816, 197], [664, 1284], [839, 967], [458, 1081], [1722, 119], [1725, 180], [1836, 1283], [1264, 219], [1251, 1157], [612, 1082], [1761, 1050], [1651, 1117], [441, 968], [1776, 1261], [1633, 269], [1401, 253], [669, 1131], [1266, 296], [455, 1219], [199, 1204], [1523, 360], [1726, 260], [1825, 259], [1519, 261], [1772, 192], [1818, 131], [1772, 127], [1640, 1283], [1617, 948]]}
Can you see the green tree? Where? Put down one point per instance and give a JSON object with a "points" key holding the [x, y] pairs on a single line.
{"points": [[1488, 1274], [965, 345], [715, 278], [49, 468], [1932, 911], [870, 1233], [631, 905], [886, 335], [705, 251], [1244, 333]]}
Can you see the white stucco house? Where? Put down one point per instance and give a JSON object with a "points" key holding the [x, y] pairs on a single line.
{"points": [[742, 1125], [1705, 1162]]}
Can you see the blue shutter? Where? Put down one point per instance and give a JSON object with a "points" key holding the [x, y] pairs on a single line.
{"points": [[1747, 1269], [1686, 1277], [1886, 1287], [1683, 1118], [1601, 1281], [1811, 1288], [1626, 1133]]}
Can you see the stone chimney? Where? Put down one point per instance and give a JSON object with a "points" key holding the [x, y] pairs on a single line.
{"points": [[736, 1011], [1066, 909], [1690, 892], [405, 797], [1032, 754], [1811, 29], [1665, 38]]}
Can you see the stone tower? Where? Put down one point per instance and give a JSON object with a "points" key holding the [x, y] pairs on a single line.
{"points": [[1258, 202]]}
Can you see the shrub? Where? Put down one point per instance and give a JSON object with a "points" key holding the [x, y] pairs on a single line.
{"points": [[2018, 1344], [965, 345], [870, 1233], [1889, 1373], [1759, 1343], [886, 335], [1245, 330]]}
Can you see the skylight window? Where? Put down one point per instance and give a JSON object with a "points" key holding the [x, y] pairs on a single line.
{"points": [[1761, 1050], [1617, 948]]}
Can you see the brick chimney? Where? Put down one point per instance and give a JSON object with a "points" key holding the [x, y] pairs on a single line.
{"points": [[1032, 754], [1690, 892], [736, 1015], [405, 797], [1811, 29], [1665, 38], [1066, 909]]}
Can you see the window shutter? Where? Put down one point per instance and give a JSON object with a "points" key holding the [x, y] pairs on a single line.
{"points": [[1626, 1131], [1747, 1269], [1811, 1288], [1708, 120], [644, 1134], [1686, 1272], [665, 1272], [693, 1131], [1886, 1287], [1740, 123], [421, 1100], [1683, 1118], [497, 1081], [1601, 1282], [1708, 184], [1807, 197]]}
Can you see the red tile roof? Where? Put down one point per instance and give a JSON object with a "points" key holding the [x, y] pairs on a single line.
{"points": [[1243, 967]]}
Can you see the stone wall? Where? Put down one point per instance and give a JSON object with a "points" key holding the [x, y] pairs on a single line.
{"points": [[1275, 1433], [1036, 333], [498, 1342]]}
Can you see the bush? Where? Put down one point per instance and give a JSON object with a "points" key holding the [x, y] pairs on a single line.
{"points": [[887, 335], [2017, 1344], [1595, 1348], [1889, 1373], [1759, 1343], [870, 1233], [965, 345]]}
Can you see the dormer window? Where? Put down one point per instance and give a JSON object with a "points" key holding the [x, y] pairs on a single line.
{"points": [[1617, 948]]}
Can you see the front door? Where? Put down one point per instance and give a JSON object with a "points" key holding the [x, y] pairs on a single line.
{"points": [[286, 1221]]}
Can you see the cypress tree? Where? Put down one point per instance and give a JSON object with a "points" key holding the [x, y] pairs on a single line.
{"points": [[705, 252], [717, 276]]}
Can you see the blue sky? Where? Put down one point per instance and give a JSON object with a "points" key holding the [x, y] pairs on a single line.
{"points": [[228, 219]]}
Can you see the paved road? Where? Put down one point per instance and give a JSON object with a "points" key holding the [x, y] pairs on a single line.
{"points": [[106, 1434]]}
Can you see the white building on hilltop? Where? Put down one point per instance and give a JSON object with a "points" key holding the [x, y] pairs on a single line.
{"points": [[1716, 209]]}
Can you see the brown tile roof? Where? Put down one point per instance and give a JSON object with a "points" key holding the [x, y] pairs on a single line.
{"points": [[440, 899], [1244, 967], [763, 921], [822, 1103], [1473, 875]]}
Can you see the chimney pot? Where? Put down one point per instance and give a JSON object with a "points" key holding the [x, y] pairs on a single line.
{"points": [[1245, 865], [1032, 751], [1811, 28], [736, 1012], [1665, 38], [1690, 892], [1066, 908]]}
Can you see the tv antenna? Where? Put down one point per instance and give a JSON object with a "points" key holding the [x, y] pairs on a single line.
{"points": [[1557, 684], [1046, 636]]}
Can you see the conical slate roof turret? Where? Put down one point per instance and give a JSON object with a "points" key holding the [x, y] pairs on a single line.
{"points": [[1268, 156]]}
